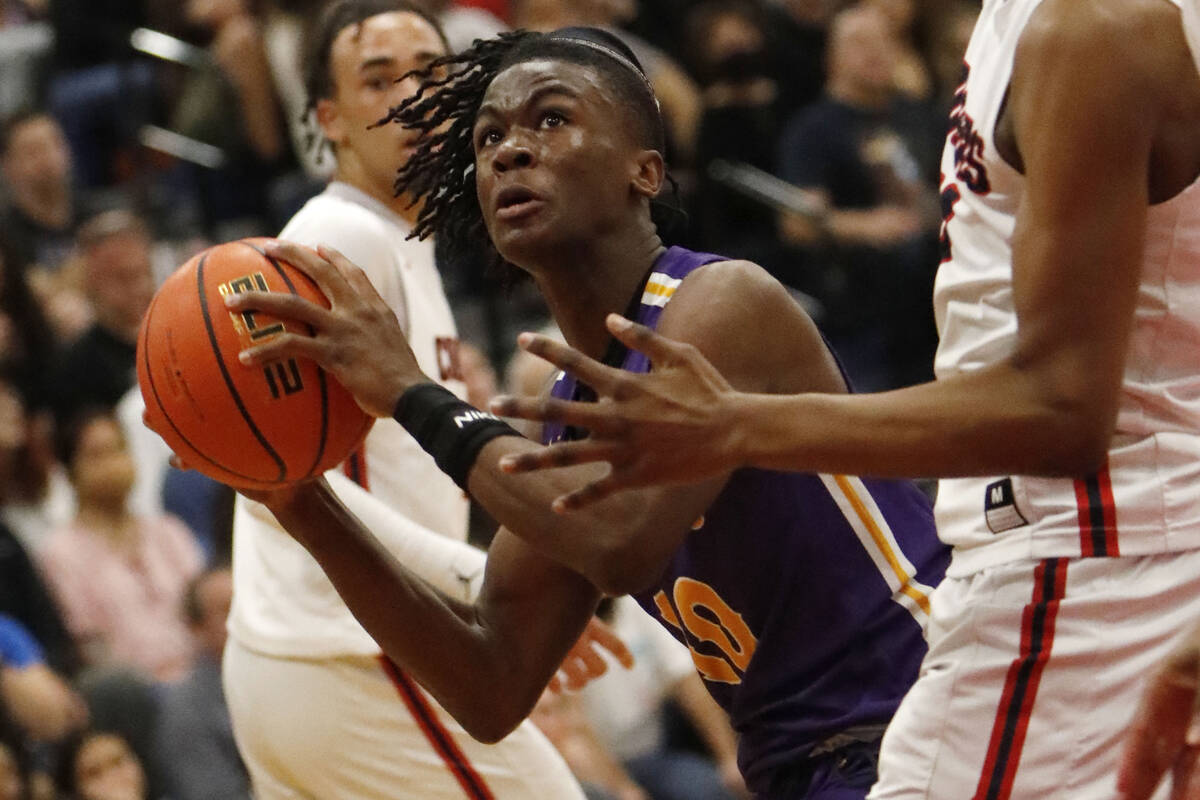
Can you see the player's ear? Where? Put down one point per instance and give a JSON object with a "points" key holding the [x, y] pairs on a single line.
{"points": [[330, 120], [650, 172]]}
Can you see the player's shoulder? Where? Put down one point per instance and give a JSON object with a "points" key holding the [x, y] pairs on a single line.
{"points": [[334, 219], [1112, 34], [738, 314]]}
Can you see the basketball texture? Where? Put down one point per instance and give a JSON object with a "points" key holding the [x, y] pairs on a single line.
{"points": [[253, 427]]}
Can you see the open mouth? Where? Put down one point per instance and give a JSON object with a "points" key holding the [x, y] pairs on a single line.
{"points": [[516, 201]]}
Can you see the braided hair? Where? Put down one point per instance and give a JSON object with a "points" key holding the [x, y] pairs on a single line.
{"points": [[440, 174]]}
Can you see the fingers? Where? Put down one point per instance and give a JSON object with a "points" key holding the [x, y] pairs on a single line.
{"points": [[284, 346], [282, 305], [604, 636], [657, 347], [327, 276], [565, 454], [602, 378], [552, 409], [590, 494], [1155, 739], [584, 666]]}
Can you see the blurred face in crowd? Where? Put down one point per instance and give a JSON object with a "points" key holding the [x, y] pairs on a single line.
{"points": [[107, 769], [862, 52], [366, 62], [120, 280], [102, 470], [213, 595], [37, 159], [10, 775]]}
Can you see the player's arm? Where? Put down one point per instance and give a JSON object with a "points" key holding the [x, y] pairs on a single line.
{"points": [[485, 662], [1084, 127], [736, 315]]}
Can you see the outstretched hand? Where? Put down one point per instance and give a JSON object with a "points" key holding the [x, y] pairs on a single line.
{"points": [[1165, 733], [671, 425], [357, 339], [584, 663]]}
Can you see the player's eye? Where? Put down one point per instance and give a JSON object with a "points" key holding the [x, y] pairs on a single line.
{"points": [[552, 118], [486, 137]]}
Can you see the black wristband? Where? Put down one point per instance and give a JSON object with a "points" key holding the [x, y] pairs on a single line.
{"points": [[449, 429]]}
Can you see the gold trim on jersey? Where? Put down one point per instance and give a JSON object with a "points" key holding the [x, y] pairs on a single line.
{"points": [[659, 288], [873, 531]]}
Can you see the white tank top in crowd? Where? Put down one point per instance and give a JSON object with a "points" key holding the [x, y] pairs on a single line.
{"points": [[1147, 498], [283, 603]]}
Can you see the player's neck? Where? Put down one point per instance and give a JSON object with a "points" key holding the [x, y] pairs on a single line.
{"points": [[349, 171], [597, 282]]}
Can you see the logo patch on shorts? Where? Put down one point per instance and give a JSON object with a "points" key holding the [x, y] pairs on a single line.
{"points": [[1000, 507]]}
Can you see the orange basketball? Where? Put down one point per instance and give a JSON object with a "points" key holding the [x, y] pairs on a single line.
{"points": [[252, 427]]}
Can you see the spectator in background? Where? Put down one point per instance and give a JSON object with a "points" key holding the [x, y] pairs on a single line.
{"points": [[727, 42], [911, 76], [27, 343], [234, 106], [26, 43], [195, 734], [14, 770], [119, 578], [863, 151], [798, 30], [100, 765], [43, 214], [39, 702], [98, 367], [35, 494]]}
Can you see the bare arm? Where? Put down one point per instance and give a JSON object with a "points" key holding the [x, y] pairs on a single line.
{"points": [[486, 663], [1085, 129], [750, 328]]}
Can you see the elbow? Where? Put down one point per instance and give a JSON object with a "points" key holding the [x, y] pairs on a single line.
{"points": [[491, 721], [623, 570], [1078, 440]]}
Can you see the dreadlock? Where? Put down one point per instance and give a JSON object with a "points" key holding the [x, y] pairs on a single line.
{"points": [[440, 175]]}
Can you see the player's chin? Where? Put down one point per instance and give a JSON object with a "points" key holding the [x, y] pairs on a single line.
{"points": [[522, 241]]}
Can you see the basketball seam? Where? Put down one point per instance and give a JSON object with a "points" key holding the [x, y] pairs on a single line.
{"points": [[320, 372], [167, 417], [237, 398]]}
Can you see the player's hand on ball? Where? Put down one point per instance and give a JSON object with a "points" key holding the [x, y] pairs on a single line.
{"points": [[1164, 735], [666, 426], [357, 339]]}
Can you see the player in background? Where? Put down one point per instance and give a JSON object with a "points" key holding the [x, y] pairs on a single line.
{"points": [[801, 597], [1066, 413], [316, 710]]}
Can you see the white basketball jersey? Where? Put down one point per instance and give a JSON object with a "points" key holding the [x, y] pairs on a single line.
{"points": [[283, 603], [1147, 498]]}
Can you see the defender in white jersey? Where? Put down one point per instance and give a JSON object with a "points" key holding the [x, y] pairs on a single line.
{"points": [[1067, 404], [317, 712]]}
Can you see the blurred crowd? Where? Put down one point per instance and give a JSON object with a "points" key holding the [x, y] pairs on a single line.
{"points": [[804, 135]]}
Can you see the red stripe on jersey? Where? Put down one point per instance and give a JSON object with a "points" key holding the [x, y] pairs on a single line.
{"points": [[1109, 506], [440, 739], [355, 467], [1021, 684], [1097, 515]]}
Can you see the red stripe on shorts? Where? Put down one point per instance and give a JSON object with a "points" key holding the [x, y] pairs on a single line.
{"points": [[440, 739], [355, 467], [1021, 684]]}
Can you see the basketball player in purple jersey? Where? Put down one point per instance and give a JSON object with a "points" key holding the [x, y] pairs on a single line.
{"points": [[801, 596]]}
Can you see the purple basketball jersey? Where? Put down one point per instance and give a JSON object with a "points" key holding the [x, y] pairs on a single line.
{"points": [[802, 597]]}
